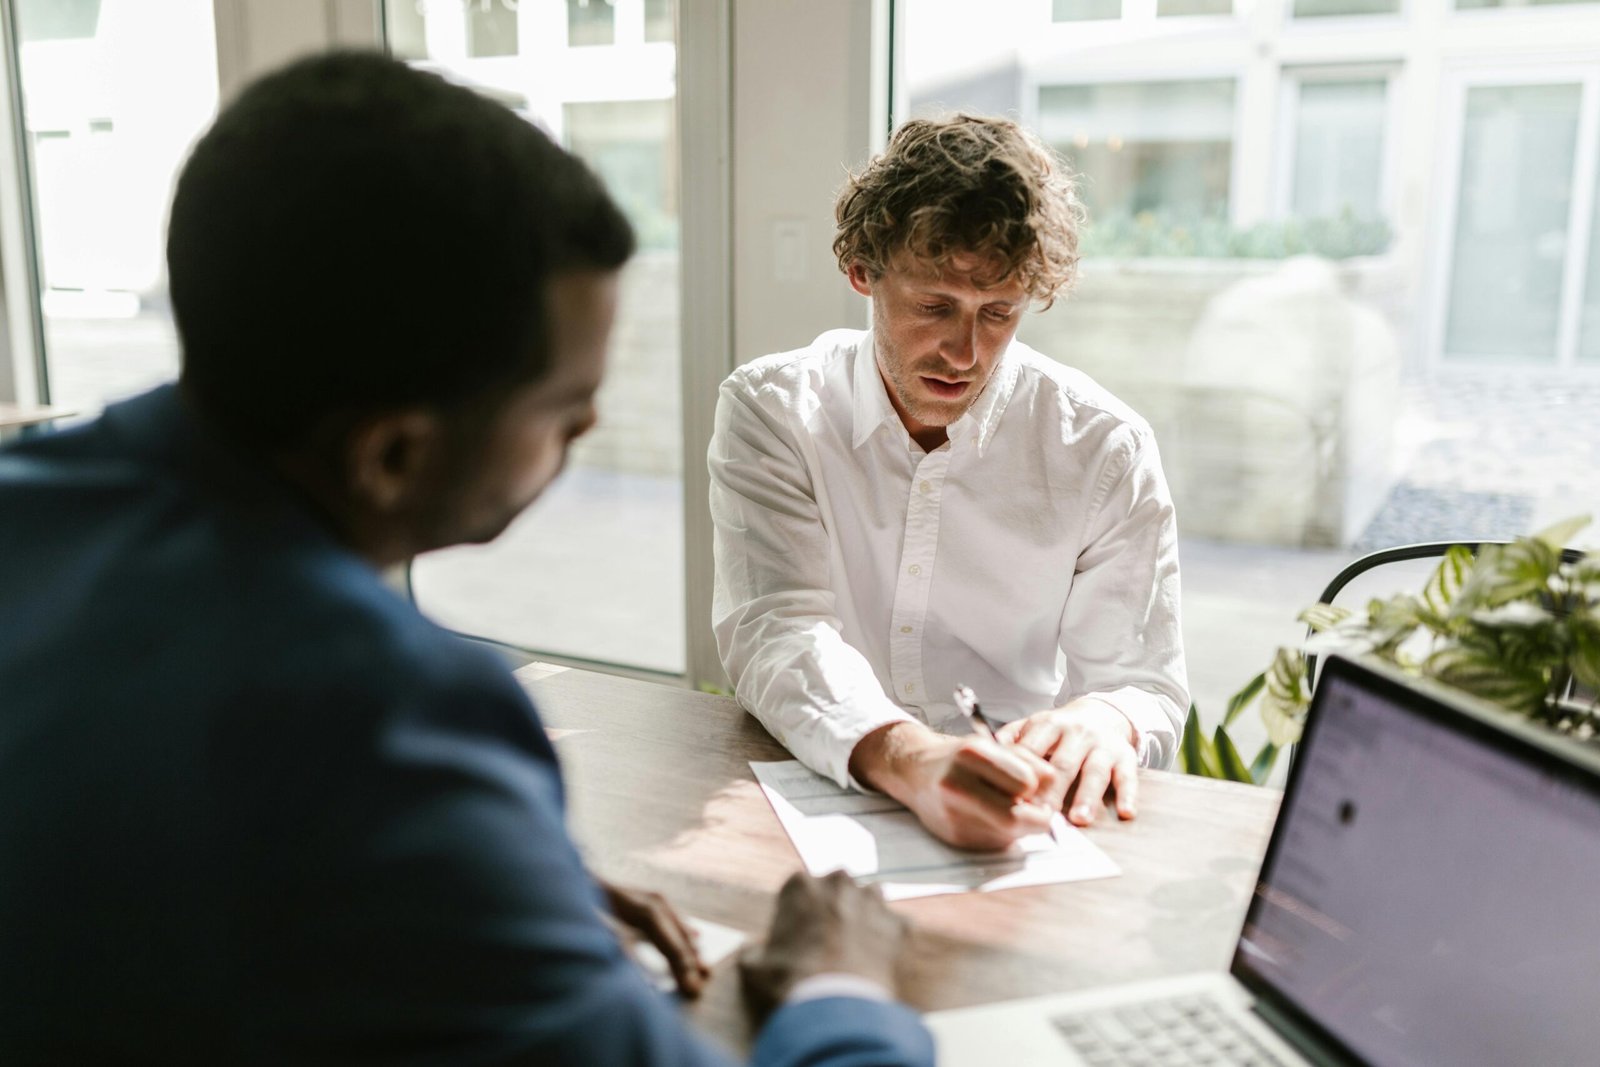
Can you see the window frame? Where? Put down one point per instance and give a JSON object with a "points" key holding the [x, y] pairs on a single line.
{"points": [[24, 374]]}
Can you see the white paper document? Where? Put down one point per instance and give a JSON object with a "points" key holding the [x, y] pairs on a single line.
{"points": [[877, 840]]}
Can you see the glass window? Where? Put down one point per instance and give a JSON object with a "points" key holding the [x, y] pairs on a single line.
{"points": [[1518, 147], [660, 20], [1297, 427], [590, 22], [1162, 149], [1081, 10], [595, 571], [1164, 8], [1319, 8], [113, 95], [1338, 149], [492, 28]]}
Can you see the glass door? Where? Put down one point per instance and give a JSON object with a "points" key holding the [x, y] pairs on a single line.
{"points": [[595, 571], [1521, 240], [1512, 223]]}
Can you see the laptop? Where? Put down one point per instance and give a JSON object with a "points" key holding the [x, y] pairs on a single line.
{"points": [[1430, 895]]}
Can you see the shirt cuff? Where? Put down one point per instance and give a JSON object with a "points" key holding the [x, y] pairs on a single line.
{"points": [[837, 984], [1150, 724]]}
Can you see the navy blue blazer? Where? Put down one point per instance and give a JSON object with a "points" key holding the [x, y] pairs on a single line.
{"points": [[255, 809]]}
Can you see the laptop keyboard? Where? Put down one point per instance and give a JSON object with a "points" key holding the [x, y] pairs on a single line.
{"points": [[1173, 1032]]}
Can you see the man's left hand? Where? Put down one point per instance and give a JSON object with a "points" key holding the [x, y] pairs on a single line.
{"points": [[650, 917], [1092, 744]]}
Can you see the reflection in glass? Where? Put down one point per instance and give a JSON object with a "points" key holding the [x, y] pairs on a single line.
{"points": [[1080, 10], [1518, 145], [1165, 8], [660, 20], [631, 143], [406, 24], [114, 92], [1589, 314], [591, 22], [492, 29], [1163, 148], [1338, 149], [1318, 8]]}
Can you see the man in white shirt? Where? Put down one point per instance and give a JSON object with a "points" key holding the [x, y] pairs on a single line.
{"points": [[932, 503]]}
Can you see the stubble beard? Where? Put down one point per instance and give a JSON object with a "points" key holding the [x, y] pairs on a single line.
{"points": [[927, 411]]}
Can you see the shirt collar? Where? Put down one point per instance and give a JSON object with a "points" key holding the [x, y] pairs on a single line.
{"points": [[872, 407], [982, 419], [870, 396]]}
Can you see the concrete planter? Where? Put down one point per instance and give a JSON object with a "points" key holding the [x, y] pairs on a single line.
{"points": [[1271, 384]]}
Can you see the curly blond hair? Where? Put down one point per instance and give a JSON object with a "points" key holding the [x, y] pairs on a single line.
{"points": [[968, 184]]}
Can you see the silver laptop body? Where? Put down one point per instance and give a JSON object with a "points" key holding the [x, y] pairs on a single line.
{"points": [[1430, 895]]}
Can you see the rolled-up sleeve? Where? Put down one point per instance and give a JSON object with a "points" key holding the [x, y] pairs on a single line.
{"points": [[777, 628], [1121, 632]]}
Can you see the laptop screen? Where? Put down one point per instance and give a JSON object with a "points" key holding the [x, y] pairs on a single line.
{"points": [[1432, 892]]}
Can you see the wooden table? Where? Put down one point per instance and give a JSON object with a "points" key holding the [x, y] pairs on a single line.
{"points": [[18, 416], [661, 797]]}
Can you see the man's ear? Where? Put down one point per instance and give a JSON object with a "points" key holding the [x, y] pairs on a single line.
{"points": [[860, 280], [387, 457]]}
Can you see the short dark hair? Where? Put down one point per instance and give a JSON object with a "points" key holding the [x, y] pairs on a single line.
{"points": [[353, 234]]}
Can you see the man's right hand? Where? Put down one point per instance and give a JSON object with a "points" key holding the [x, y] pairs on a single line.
{"points": [[970, 791], [826, 925]]}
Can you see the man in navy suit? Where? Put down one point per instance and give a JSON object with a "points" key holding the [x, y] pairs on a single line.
{"points": [[253, 807]]}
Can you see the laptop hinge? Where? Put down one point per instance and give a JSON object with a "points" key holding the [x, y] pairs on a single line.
{"points": [[1313, 1048]]}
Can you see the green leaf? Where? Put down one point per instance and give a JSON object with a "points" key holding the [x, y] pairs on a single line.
{"points": [[1261, 769], [1322, 617], [1241, 700], [1233, 767], [1585, 657], [1503, 573], [1197, 754], [1522, 568], [1285, 698], [1520, 688], [1447, 580], [1561, 534], [1392, 621], [1585, 573]]}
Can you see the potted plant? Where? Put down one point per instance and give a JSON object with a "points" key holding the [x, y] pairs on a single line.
{"points": [[1517, 625]]}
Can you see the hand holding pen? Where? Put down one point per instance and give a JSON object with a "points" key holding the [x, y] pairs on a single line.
{"points": [[968, 791], [967, 702]]}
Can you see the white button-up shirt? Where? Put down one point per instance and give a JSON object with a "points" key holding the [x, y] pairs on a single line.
{"points": [[859, 579]]}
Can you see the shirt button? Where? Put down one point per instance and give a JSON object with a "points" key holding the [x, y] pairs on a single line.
{"points": [[925, 486], [905, 629], [911, 687], [914, 570]]}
